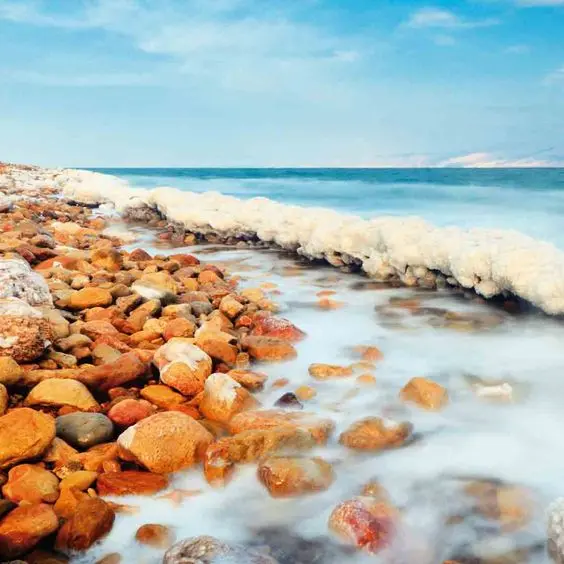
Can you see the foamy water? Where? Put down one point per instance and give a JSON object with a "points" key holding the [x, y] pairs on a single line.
{"points": [[516, 442]]}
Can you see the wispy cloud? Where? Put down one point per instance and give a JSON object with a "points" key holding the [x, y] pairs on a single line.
{"points": [[228, 42], [555, 77], [539, 3], [439, 18], [488, 160], [517, 49]]}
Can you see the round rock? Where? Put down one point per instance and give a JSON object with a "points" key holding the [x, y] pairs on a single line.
{"points": [[84, 430]]}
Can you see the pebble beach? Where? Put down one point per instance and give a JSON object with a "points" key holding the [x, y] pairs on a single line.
{"points": [[186, 385]]}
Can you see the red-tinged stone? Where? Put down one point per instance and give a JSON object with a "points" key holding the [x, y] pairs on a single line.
{"points": [[95, 329], [139, 255], [113, 341], [157, 536], [126, 368], [130, 411], [365, 523], [185, 260], [30, 483], [130, 482], [92, 520], [266, 325], [59, 261], [24, 527]]}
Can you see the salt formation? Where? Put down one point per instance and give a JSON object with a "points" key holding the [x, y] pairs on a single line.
{"points": [[24, 333], [489, 261], [17, 280], [556, 529]]}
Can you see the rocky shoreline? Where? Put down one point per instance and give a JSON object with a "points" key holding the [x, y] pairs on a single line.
{"points": [[119, 369]]}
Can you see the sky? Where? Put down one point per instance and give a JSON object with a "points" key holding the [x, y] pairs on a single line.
{"points": [[240, 83]]}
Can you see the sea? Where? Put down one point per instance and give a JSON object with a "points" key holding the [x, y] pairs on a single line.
{"points": [[529, 200], [476, 479]]}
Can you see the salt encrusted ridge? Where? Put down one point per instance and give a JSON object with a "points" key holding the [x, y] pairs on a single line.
{"points": [[489, 261]]}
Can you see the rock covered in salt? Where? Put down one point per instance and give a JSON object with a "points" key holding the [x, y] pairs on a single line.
{"points": [[17, 280]]}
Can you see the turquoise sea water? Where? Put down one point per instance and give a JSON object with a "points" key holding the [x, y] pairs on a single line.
{"points": [[529, 200]]}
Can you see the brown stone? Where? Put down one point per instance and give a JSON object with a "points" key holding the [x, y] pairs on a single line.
{"points": [[24, 434], [223, 398], [81, 480], [130, 482], [329, 371], [91, 521], [217, 348], [165, 442], [32, 484], [126, 368], [374, 433], [58, 392], [68, 501], [162, 396], [179, 327], [364, 522], [267, 325], [130, 411], [425, 393], [294, 476], [10, 371], [107, 259], [97, 457], [4, 399], [157, 536], [95, 329], [230, 307], [90, 297], [24, 527], [269, 349], [319, 428], [253, 381]]}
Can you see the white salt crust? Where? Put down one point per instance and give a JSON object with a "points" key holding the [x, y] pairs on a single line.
{"points": [[489, 261]]}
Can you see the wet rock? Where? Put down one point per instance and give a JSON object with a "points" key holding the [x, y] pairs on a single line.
{"points": [[6, 506], [24, 333], [161, 396], [24, 434], [130, 482], [223, 398], [201, 308], [165, 442], [24, 527], [99, 328], [139, 255], [130, 411], [159, 285], [425, 393], [10, 371], [107, 259], [92, 520], [30, 483], [72, 341], [209, 550], [294, 476], [183, 366], [157, 536], [319, 428], [99, 458], [253, 381], [269, 349], [305, 393], [329, 371], [288, 400], [179, 327], [374, 433], [218, 346], [267, 325], [17, 280], [80, 480], [4, 399], [251, 446], [365, 523], [90, 297], [84, 430], [58, 392], [128, 367], [231, 307]]}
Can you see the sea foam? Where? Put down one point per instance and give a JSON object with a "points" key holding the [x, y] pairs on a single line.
{"points": [[489, 261]]}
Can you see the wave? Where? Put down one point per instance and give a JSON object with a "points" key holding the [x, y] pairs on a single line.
{"points": [[491, 262]]}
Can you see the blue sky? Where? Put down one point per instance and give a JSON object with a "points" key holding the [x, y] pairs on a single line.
{"points": [[282, 83]]}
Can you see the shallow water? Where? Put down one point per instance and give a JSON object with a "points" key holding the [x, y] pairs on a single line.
{"points": [[517, 442]]}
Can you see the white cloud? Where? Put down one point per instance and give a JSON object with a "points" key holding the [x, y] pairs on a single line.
{"points": [[439, 18], [231, 43], [517, 50], [555, 77], [488, 160]]}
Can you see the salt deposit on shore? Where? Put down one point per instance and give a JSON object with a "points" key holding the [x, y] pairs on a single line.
{"points": [[491, 262]]}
